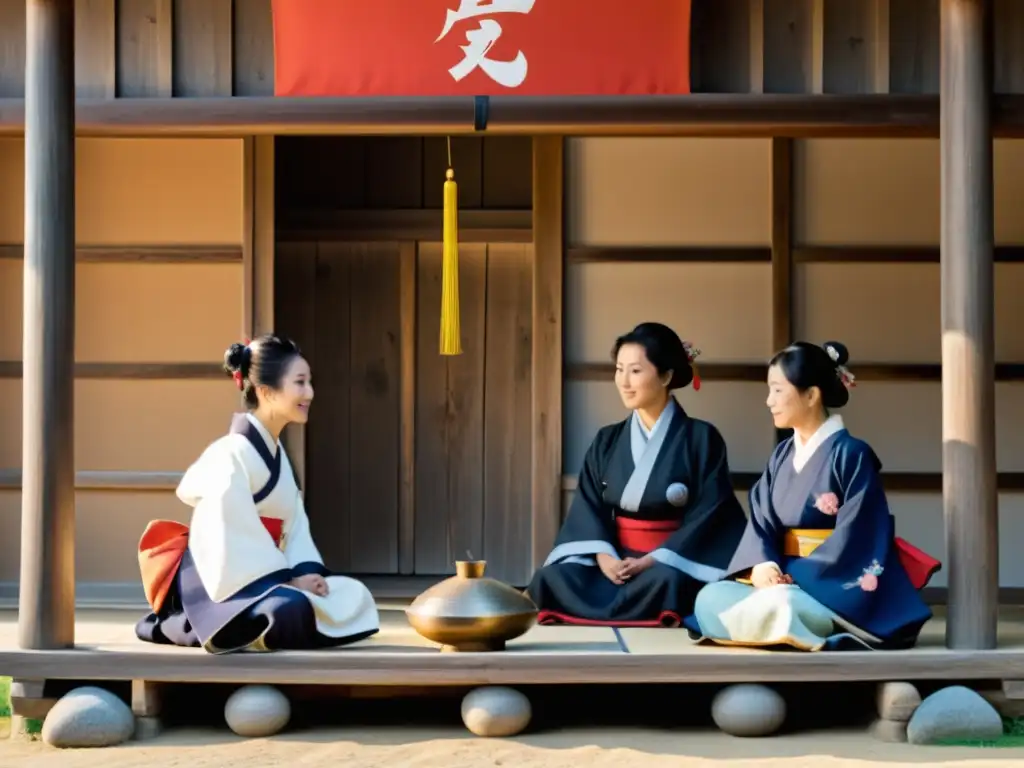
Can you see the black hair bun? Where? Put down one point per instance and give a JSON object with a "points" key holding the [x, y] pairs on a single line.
{"points": [[234, 358], [837, 352]]}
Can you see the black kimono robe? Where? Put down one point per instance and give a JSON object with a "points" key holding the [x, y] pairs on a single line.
{"points": [[667, 494]]}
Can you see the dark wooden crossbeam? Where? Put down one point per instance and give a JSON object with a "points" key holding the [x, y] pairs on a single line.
{"points": [[740, 115]]}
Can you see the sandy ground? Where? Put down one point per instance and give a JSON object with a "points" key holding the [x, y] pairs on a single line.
{"points": [[409, 747]]}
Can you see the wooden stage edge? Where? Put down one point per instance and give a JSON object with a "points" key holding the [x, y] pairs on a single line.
{"points": [[108, 650], [369, 668]]}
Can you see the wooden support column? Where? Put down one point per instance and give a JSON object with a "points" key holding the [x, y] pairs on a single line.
{"points": [[968, 361], [46, 608], [782, 250], [546, 390]]}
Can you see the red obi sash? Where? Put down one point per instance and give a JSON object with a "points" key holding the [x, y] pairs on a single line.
{"points": [[644, 535], [161, 548]]}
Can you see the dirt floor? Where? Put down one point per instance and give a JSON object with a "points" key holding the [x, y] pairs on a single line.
{"points": [[452, 747]]}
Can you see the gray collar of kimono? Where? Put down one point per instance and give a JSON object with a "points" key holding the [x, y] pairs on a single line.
{"points": [[645, 452]]}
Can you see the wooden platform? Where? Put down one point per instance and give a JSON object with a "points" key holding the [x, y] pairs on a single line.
{"points": [[107, 650]]}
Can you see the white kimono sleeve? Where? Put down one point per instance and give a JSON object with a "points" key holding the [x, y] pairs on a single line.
{"points": [[229, 544]]}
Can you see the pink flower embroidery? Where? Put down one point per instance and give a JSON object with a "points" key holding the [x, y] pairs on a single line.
{"points": [[868, 580], [827, 503]]}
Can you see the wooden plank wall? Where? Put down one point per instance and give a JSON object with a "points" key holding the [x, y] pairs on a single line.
{"points": [[320, 176], [155, 48], [743, 245], [413, 459], [204, 48], [471, 438], [159, 297], [836, 46]]}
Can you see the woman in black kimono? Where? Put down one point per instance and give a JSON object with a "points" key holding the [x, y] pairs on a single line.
{"points": [[654, 516]]}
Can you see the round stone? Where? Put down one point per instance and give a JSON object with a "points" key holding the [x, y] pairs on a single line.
{"points": [[257, 710], [496, 711], [891, 731], [897, 701], [88, 717], [748, 710]]}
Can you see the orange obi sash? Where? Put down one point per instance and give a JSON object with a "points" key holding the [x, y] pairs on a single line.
{"points": [[919, 565], [644, 535], [161, 548]]}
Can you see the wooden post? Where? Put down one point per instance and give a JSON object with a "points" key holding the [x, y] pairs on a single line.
{"points": [[46, 608], [968, 387], [548, 265], [782, 251]]}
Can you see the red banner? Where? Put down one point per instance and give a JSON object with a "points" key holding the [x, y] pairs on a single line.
{"points": [[481, 47]]}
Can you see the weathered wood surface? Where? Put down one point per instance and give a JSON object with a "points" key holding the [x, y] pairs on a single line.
{"points": [[548, 282], [401, 174], [216, 48], [360, 667], [904, 482], [414, 458], [758, 371], [969, 491], [213, 254], [735, 115], [450, 415], [782, 250], [47, 595]]}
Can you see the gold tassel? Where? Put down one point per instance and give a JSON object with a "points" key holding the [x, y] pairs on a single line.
{"points": [[451, 336]]}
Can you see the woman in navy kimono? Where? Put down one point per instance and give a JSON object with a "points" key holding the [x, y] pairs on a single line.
{"points": [[246, 575], [820, 566], [654, 516]]}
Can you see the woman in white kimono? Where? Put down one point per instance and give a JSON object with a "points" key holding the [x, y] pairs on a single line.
{"points": [[246, 574], [654, 516], [819, 566]]}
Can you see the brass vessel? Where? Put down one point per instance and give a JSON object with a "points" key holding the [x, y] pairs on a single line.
{"points": [[469, 612]]}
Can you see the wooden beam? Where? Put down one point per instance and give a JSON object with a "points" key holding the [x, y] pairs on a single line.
{"points": [[755, 56], [145, 38], [808, 254], [739, 115], [599, 666], [880, 46], [917, 372], [149, 254], [91, 480], [640, 255], [1006, 254], [708, 371], [546, 357], [46, 604], [898, 482], [970, 504], [475, 226], [248, 235], [95, 49], [263, 236], [407, 286], [137, 481], [782, 251], [13, 369]]}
